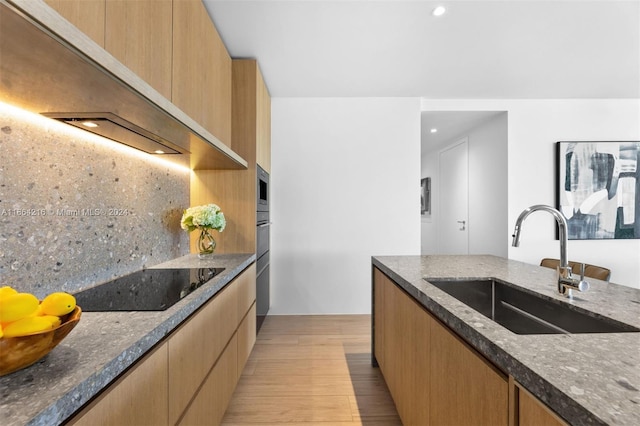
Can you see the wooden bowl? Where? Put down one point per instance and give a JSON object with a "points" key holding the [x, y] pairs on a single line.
{"points": [[20, 352]]}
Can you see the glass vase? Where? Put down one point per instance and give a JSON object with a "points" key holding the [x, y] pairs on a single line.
{"points": [[206, 243]]}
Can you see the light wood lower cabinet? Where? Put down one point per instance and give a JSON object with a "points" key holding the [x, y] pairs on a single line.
{"points": [[246, 338], [210, 403], [130, 401], [197, 344], [465, 388], [434, 377], [190, 378], [533, 412]]}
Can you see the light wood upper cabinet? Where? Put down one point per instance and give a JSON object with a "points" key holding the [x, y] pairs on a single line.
{"points": [[140, 35], [137, 398], [201, 78], [235, 190], [251, 113], [87, 15], [263, 123]]}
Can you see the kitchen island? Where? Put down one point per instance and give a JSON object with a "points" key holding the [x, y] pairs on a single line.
{"points": [[102, 347], [583, 378]]}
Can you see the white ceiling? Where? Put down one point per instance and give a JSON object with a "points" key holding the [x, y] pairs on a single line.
{"points": [[478, 49]]}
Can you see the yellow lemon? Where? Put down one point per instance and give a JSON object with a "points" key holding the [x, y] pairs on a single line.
{"points": [[55, 321], [25, 326], [17, 306], [58, 304], [7, 291]]}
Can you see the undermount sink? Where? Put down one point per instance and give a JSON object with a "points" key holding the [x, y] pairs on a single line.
{"points": [[525, 313]]}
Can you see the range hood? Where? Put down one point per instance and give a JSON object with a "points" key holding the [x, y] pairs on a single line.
{"points": [[118, 129], [50, 67]]}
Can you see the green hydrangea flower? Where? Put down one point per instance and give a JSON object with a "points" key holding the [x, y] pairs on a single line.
{"points": [[208, 216]]}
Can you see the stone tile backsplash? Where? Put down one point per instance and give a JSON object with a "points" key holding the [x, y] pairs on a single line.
{"points": [[76, 211]]}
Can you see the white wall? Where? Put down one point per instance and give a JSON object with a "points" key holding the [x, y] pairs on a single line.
{"points": [[487, 150], [345, 182], [533, 128]]}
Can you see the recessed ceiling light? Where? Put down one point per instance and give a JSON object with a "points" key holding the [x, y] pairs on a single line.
{"points": [[159, 151], [434, 130], [89, 124], [439, 11]]}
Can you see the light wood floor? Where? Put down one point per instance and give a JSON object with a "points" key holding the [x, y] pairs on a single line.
{"points": [[312, 371]]}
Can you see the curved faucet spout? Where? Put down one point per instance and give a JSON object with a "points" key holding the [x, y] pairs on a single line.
{"points": [[562, 226], [566, 281]]}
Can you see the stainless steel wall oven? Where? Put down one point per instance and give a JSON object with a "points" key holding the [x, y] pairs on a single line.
{"points": [[263, 299]]}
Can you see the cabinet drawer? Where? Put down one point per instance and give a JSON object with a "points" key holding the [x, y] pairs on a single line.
{"points": [[129, 401], [246, 338], [246, 284], [210, 403], [196, 345]]}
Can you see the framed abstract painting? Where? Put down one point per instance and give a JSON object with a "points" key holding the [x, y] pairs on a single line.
{"points": [[598, 189]]}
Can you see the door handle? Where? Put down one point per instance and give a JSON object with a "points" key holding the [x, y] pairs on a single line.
{"points": [[463, 222]]}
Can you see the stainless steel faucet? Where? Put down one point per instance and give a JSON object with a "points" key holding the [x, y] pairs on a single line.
{"points": [[566, 280]]}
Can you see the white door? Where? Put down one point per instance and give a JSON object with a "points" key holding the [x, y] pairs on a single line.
{"points": [[453, 221]]}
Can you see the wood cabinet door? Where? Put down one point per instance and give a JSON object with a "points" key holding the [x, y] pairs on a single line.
{"points": [[211, 402], [140, 35], [246, 283], [465, 388], [197, 344], [246, 338], [201, 78], [87, 15], [407, 339], [137, 398], [533, 412], [402, 329], [263, 123]]}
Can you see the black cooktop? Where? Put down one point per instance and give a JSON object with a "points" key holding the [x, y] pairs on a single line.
{"points": [[146, 290]]}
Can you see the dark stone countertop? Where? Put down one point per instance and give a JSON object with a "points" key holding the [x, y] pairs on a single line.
{"points": [[586, 378], [100, 348]]}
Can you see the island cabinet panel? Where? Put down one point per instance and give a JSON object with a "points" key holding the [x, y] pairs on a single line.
{"points": [[139, 397], [379, 284], [87, 15], [532, 412], [140, 35], [201, 85], [434, 377], [197, 344], [465, 388], [404, 329]]}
